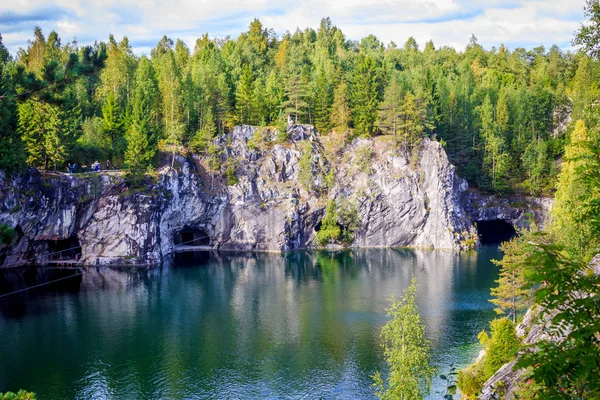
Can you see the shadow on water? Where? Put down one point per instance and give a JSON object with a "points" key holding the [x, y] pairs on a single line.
{"points": [[251, 325]]}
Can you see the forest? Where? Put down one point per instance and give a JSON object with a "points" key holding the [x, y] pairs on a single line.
{"points": [[503, 115]]}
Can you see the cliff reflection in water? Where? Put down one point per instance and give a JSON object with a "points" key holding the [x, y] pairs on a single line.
{"points": [[234, 325]]}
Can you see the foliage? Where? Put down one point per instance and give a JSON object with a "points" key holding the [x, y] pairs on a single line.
{"points": [[500, 347], [230, 175], [511, 296], [330, 230], [470, 380], [450, 379], [588, 36], [568, 289], [305, 165], [502, 113], [20, 395], [362, 158], [574, 192], [406, 351], [7, 234]]}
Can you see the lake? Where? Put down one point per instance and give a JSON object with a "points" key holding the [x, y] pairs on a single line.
{"points": [[234, 325]]}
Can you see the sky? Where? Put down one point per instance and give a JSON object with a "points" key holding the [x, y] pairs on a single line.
{"points": [[514, 23]]}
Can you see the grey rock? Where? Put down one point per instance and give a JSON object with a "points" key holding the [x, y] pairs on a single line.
{"points": [[269, 208]]}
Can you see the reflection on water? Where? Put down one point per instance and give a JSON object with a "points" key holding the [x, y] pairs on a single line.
{"points": [[301, 324]]}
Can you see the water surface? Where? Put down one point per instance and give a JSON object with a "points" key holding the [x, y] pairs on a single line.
{"points": [[298, 325]]}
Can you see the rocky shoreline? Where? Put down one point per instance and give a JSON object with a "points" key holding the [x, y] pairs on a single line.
{"points": [[276, 204]]}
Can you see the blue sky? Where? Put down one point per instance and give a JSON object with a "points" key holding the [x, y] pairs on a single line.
{"points": [[515, 23]]}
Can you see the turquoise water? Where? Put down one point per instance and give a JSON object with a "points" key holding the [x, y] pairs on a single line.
{"points": [[298, 325]]}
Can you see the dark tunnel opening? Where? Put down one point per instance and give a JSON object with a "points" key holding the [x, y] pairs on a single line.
{"points": [[191, 237], [495, 231], [64, 249]]}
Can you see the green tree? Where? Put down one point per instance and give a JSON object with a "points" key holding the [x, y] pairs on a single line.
{"points": [[390, 110], [365, 95], [11, 147], [113, 125], [140, 136], [245, 98], [588, 36], [203, 139], [330, 230], [340, 110], [406, 350], [511, 296], [411, 126], [296, 105], [573, 192]]}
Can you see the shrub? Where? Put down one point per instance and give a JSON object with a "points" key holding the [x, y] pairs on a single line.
{"points": [[230, 175], [305, 167], [471, 380], [21, 395], [7, 234], [502, 346], [330, 230]]}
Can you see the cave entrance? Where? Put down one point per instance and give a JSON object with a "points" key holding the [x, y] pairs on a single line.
{"points": [[495, 231], [64, 249], [191, 237]]}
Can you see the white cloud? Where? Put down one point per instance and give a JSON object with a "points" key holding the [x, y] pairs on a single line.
{"points": [[447, 22]]}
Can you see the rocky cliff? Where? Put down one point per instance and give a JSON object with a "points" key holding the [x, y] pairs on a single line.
{"points": [[282, 187]]}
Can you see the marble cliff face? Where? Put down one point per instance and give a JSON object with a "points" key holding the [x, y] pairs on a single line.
{"points": [[277, 204]]}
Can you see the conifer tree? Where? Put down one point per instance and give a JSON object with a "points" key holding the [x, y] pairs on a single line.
{"points": [[141, 133], [365, 95], [512, 296], [296, 105], [203, 139], [340, 110], [113, 124], [412, 125], [390, 110], [245, 98], [568, 222], [323, 97]]}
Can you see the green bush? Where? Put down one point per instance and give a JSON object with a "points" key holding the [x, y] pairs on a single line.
{"points": [[471, 380], [21, 395], [330, 230], [230, 175], [502, 346], [7, 234]]}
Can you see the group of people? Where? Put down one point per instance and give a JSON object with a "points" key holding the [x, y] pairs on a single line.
{"points": [[95, 167]]}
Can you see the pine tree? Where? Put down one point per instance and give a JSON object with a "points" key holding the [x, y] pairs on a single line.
{"points": [[390, 110], [412, 126], [323, 97], [512, 296], [365, 95], [140, 135], [568, 214], [245, 98], [203, 139], [406, 350], [274, 97], [113, 124], [12, 156], [31, 133], [296, 105], [340, 110]]}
